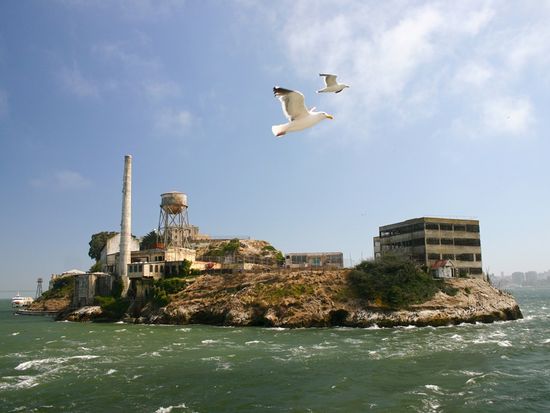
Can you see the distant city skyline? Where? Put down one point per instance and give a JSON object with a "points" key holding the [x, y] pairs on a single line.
{"points": [[445, 116]]}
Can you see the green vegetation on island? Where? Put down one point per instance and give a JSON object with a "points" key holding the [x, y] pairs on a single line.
{"points": [[392, 281]]}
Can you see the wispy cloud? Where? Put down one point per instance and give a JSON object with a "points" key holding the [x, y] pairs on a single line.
{"points": [[412, 60], [75, 83], [122, 54], [164, 89], [64, 180], [171, 122], [472, 74], [512, 116]]}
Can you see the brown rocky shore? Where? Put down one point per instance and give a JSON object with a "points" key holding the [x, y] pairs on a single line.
{"points": [[316, 299]]}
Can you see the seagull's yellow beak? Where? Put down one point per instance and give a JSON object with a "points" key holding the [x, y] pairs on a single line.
{"points": [[329, 116]]}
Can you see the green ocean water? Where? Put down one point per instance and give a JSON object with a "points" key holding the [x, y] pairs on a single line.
{"points": [[48, 366]]}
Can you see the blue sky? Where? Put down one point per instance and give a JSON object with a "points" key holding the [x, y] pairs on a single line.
{"points": [[447, 115]]}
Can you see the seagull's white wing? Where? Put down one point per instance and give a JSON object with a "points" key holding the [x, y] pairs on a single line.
{"points": [[293, 103], [330, 80]]}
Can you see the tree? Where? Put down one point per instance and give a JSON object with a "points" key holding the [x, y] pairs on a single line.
{"points": [[96, 267], [392, 280], [148, 241], [97, 242]]}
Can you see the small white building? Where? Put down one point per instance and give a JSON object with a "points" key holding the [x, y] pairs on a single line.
{"points": [[158, 263], [444, 269], [111, 251]]}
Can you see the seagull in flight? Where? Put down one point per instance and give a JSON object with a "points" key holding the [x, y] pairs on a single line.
{"points": [[295, 110], [331, 85]]}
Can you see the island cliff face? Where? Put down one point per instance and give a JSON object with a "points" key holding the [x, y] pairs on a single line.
{"points": [[320, 299]]}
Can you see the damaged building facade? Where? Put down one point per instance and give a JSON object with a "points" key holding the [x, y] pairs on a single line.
{"points": [[429, 241]]}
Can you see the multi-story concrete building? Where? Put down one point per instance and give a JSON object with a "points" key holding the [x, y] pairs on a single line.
{"points": [[428, 240]]}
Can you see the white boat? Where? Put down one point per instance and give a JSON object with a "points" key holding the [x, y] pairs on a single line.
{"points": [[19, 301]]}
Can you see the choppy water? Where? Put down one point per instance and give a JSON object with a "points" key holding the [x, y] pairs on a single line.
{"points": [[74, 367]]}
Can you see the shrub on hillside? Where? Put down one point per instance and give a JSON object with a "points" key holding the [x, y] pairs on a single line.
{"points": [[62, 287], [112, 308], [393, 281]]}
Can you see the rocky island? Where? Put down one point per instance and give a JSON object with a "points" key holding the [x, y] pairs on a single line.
{"points": [[314, 299]]}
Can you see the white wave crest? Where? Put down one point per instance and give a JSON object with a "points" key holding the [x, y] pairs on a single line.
{"points": [[21, 382], [169, 409], [48, 361], [433, 387]]}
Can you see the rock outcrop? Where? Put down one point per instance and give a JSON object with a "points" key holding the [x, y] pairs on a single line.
{"points": [[323, 299]]}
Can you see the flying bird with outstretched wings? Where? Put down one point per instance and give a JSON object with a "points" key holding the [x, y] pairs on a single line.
{"points": [[297, 113], [331, 85]]}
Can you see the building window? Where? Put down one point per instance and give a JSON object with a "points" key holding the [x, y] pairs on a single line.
{"points": [[156, 268], [151, 268], [298, 259], [476, 271], [446, 241], [446, 227], [472, 228], [468, 242], [432, 241], [460, 227], [465, 257], [478, 257], [432, 226], [433, 256], [316, 261], [448, 256]]}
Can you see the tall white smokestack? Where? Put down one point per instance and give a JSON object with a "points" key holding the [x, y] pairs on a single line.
{"points": [[126, 225]]}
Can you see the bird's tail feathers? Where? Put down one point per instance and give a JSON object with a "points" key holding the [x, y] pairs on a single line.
{"points": [[278, 130]]}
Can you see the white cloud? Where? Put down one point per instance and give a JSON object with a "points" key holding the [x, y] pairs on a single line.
{"points": [[159, 90], [450, 61], [3, 104], [63, 180], [74, 82], [173, 122], [472, 74], [511, 116]]}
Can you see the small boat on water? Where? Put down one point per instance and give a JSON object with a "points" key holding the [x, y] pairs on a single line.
{"points": [[21, 302]]}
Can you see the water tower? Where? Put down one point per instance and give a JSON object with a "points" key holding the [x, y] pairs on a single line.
{"points": [[173, 230], [38, 288]]}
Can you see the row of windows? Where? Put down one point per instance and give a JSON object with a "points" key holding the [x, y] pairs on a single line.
{"points": [[407, 229], [316, 260], [135, 268], [155, 268], [463, 242], [457, 257], [452, 227], [415, 242]]}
